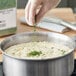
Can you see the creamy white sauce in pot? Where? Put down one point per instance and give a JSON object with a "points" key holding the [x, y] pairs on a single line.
{"points": [[38, 50]]}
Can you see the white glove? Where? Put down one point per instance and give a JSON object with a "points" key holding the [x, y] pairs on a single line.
{"points": [[35, 9]]}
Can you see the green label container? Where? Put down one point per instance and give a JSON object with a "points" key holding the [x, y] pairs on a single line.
{"points": [[7, 17]]}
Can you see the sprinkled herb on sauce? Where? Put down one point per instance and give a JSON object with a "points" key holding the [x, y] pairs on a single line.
{"points": [[63, 52], [34, 27], [34, 53]]}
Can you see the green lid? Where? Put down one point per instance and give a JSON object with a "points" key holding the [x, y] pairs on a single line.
{"points": [[5, 4]]}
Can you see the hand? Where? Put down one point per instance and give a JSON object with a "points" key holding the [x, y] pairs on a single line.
{"points": [[35, 9]]}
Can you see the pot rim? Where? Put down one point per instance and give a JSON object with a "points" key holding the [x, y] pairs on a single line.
{"points": [[28, 59]]}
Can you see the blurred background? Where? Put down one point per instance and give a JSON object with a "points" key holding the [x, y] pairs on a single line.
{"points": [[64, 3]]}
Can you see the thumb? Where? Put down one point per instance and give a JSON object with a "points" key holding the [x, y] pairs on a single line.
{"points": [[32, 12], [41, 13]]}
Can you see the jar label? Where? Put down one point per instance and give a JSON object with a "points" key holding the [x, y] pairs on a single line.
{"points": [[7, 18], [7, 14]]}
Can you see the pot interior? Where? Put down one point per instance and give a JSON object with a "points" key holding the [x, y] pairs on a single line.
{"points": [[37, 36]]}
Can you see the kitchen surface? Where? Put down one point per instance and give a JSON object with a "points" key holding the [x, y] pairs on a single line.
{"points": [[64, 13], [58, 26]]}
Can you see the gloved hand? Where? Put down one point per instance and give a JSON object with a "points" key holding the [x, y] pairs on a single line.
{"points": [[35, 9]]}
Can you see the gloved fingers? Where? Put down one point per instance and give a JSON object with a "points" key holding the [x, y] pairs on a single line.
{"points": [[41, 13], [45, 8], [27, 11], [32, 12], [33, 15]]}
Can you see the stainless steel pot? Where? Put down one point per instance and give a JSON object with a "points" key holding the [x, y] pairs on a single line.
{"points": [[60, 66]]}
